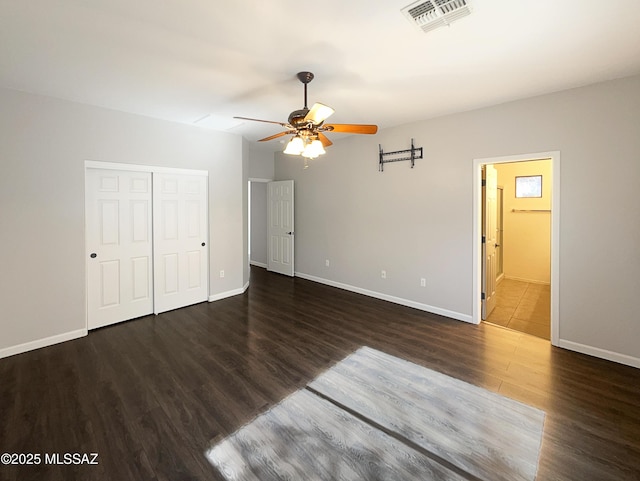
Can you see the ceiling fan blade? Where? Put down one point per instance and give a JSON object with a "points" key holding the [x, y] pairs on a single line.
{"points": [[266, 121], [318, 113], [324, 139], [350, 128], [275, 136]]}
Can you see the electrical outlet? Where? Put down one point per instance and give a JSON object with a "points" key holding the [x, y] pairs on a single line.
{"points": [[326, 262], [383, 274], [423, 282], [221, 273]]}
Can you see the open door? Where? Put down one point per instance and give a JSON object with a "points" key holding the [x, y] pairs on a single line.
{"points": [[489, 238], [280, 230]]}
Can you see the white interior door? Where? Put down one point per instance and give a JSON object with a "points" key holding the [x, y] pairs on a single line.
{"points": [[119, 246], [180, 240], [280, 227], [489, 234]]}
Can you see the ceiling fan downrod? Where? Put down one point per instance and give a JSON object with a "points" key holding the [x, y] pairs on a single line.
{"points": [[305, 78]]}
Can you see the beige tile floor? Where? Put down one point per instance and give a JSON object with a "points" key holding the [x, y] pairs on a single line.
{"points": [[524, 307]]}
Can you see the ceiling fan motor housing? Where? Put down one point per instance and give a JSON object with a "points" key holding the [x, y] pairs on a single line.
{"points": [[296, 118]]}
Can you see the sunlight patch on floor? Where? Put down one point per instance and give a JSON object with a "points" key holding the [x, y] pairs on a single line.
{"points": [[375, 416]]}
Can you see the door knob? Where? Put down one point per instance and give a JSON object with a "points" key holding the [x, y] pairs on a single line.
{"points": [[203, 244], [93, 255], [290, 233]]}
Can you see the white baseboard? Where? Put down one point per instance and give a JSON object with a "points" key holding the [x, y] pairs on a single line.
{"points": [[258, 264], [385, 297], [37, 344], [601, 353], [224, 295], [530, 281]]}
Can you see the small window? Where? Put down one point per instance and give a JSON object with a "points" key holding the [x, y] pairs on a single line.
{"points": [[529, 186]]}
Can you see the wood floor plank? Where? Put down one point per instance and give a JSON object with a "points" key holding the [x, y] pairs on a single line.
{"points": [[152, 394]]}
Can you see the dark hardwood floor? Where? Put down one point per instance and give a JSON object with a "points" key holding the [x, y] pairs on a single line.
{"points": [[151, 395]]}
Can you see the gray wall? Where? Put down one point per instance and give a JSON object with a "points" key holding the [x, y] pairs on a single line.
{"points": [[261, 164], [43, 145], [418, 222]]}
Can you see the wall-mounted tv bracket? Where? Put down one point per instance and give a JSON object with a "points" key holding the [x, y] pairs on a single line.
{"points": [[398, 156]]}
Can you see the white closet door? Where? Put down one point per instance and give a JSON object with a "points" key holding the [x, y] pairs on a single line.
{"points": [[119, 246], [180, 240]]}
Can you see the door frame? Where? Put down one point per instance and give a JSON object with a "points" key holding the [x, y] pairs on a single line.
{"points": [[555, 232]]}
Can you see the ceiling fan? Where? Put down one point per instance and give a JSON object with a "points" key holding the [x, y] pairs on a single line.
{"points": [[307, 126]]}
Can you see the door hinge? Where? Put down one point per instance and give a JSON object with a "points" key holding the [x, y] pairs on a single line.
{"points": [[484, 182], [484, 239], [482, 297]]}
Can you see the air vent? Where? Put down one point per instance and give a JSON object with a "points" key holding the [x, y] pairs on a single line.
{"points": [[431, 14]]}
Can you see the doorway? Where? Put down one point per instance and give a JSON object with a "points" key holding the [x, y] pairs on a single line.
{"points": [[522, 294], [271, 220], [258, 201], [535, 286]]}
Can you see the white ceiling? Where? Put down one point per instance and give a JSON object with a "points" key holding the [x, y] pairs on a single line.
{"points": [[182, 60]]}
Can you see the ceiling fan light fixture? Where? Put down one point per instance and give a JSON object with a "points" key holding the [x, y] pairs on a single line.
{"points": [[324, 112], [313, 149], [295, 146], [319, 113]]}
